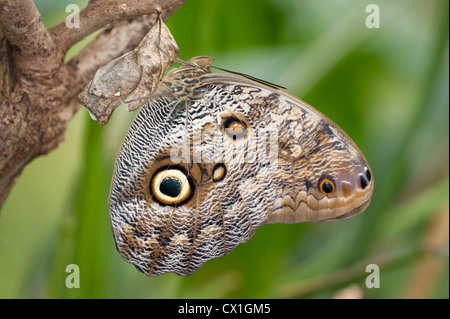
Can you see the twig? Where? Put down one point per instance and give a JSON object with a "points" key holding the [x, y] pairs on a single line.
{"points": [[37, 89], [34, 47], [106, 14]]}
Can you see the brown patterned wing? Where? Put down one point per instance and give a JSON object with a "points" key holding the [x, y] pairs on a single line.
{"points": [[216, 156], [212, 208], [319, 173]]}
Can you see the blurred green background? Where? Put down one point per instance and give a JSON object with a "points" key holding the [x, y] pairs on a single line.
{"points": [[387, 88]]}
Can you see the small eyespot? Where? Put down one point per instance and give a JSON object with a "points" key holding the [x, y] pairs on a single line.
{"points": [[362, 181], [218, 173], [171, 186], [368, 174], [235, 128], [326, 185]]}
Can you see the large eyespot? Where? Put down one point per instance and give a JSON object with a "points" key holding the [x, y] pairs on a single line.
{"points": [[171, 186], [235, 128], [327, 185]]}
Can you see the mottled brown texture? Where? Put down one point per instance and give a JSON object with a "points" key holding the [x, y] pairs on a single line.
{"points": [[37, 91], [243, 153]]}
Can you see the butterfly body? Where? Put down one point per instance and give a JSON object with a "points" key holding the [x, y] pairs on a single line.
{"points": [[213, 157]]}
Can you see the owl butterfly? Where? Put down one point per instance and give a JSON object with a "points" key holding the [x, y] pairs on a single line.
{"points": [[211, 157]]}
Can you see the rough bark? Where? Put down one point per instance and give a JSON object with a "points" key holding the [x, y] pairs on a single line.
{"points": [[38, 90]]}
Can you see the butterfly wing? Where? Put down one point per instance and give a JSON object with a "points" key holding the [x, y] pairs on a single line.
{"points": [[219, 211], [198, 175], [312, 153]]}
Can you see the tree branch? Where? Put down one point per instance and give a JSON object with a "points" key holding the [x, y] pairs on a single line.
{"points": [[106, 14], [32, 43], [38, 91]]}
